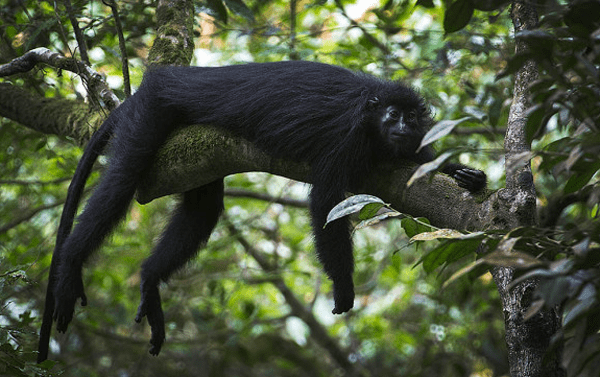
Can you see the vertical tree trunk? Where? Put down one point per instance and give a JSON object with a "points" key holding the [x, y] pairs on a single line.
{"points": [[528, 341]]}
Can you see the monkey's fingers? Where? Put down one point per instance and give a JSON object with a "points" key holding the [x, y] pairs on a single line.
{"points": [[150, 307], [470, 179], [65, 296], [63, 313], [156, 320]]}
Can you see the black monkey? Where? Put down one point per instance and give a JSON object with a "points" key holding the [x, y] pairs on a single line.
{"points": [[339, 122]]}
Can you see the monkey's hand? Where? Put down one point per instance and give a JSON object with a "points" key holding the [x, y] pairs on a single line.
{"points": [[343, 295], [66, 292], [151, 308], [470, 179]]}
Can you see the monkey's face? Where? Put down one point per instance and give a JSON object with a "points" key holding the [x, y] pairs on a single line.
{"points": [[399, 130]]}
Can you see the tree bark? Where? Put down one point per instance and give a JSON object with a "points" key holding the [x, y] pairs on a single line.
{"points": [[54, 116], [528, 341]]}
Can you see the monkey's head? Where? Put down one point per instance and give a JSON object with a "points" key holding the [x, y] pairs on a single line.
{"points": [[397, 125]]}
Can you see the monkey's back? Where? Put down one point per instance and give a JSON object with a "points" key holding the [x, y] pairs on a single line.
{"points": [[294, 109]]}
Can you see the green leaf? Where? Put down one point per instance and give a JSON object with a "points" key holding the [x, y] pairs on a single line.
{"points": [[412, 227], [512, 259], [238, 7], [351, 205], [473, 266], [219, 10], [488, 5], [514, 64], [440, 130], [578, 180], [534, 121], [449, 252], [582, 18], [428, 167], [448, 234], [458, 15], [533, 309], [377, 219], [495, 111], [370, 210], [586, 302]]}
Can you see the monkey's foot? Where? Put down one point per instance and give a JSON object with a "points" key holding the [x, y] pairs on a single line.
{"points": [[470, 179], [150, 307], [66, 292], [343, 295]]}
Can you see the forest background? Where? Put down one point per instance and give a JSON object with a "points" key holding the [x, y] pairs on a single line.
{"points": [[255, 302]]}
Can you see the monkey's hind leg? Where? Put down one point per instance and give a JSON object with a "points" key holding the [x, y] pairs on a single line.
{"points": [[191, 225]]}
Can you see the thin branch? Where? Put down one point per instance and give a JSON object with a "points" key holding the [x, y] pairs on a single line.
{"points": [[27, 183], [77, 31], [122, 47], [240, 193], [95, 81], [27, 216], [479, 131]]}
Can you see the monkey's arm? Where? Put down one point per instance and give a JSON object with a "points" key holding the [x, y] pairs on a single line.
{"points": [[333, 242]]}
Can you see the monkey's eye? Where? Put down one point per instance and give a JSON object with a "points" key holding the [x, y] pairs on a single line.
{"points": [[394, 114], [412, 116]]}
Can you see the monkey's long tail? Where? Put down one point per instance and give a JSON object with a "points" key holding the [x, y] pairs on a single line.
{"points": [[95, 147]]}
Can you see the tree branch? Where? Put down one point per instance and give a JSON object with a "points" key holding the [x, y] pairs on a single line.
{"points": [[94, 81], [57, 116], [196, 155]]}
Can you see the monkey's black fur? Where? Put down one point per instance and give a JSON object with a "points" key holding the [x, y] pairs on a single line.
{"points": [[341, 123]]}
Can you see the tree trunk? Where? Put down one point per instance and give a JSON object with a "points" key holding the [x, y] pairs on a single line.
{"points": [[528, 341]]}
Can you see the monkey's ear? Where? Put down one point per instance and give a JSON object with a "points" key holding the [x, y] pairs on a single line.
{"points": [[373, 103]]}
